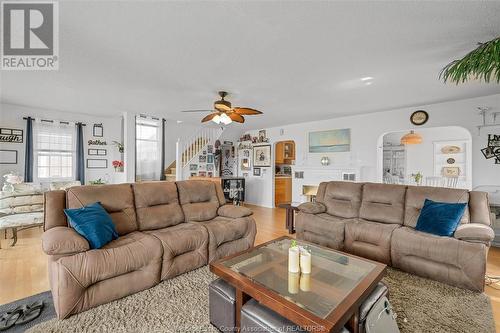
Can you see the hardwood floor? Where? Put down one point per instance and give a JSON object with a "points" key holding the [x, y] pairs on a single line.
{"points": [[23, 268]]}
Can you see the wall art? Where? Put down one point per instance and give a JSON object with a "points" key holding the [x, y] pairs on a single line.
{"points": [[98, 130], [202, 173], [210, 167], [203, 158], [262, 156], [193, 167], [210, 149], [256, 171], [210, 158], [97, 152], [493, 148], [97, 143], [331, 141], [11, 135], [8, 156], [97, 163]]}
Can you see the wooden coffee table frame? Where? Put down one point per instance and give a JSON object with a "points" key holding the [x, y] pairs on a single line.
{"points": [[347, 312]]}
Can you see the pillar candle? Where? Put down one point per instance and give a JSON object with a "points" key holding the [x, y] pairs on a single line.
{"points": [[293, 282], [293, 259], [305, 262]]}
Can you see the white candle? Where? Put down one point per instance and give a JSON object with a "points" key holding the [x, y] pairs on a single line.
{"points": [[293, 282], [305, 282], [293, 259], [305, 262]]}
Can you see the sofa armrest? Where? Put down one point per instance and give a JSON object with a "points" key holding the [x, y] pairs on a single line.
{"points": [[63, 241], [312, 207], [233, 211], [475, 232]]}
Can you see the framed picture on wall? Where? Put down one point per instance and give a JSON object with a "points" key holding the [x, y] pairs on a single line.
{"points": [[331, 141], [98, 130], [97, 163], [262, 156], [256, 172], [8, 156], [97, 152]]}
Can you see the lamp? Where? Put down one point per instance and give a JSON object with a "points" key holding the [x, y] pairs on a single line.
{"points": [[222, 119], [411, 138]]}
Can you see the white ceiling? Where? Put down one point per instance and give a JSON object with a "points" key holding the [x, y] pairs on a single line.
{"points": [[296, 61]]}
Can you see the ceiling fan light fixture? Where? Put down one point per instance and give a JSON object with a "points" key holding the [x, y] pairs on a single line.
{"points": [[222, 119], [411, 138]]}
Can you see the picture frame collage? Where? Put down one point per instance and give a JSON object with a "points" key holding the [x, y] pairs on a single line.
{"points": [[205, 166], [96, 153]]}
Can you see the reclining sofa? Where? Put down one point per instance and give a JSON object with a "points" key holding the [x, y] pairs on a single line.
{"points": [[377, 221], [165, 229]]}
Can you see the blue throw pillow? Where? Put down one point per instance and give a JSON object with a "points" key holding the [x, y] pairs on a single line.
{"points": [[93, 223], [440, 218]]}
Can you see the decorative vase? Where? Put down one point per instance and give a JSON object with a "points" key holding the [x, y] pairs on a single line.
{"points": [[305, 261], [7, 187]]}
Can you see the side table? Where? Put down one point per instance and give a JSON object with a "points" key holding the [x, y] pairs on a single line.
{"points": [[291, 208]]}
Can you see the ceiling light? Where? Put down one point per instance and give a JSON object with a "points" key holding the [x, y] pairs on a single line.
{"points": [[411, 138], [366, 78], [222, 119]]}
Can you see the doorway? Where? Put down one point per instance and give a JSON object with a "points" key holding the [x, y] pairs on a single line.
{"points": [[283, 160]]}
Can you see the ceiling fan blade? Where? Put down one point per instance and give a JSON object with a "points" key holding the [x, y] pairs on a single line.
{"points": [[197, 111], [246, 111], [209, 117], [236, 117]]}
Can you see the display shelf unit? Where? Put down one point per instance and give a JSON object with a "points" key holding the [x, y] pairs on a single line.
{"points": [[458, 159]]}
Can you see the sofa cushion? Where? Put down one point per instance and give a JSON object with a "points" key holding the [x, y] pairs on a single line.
{"points": [[122, 267], [440, 218], [312, 207], [157, 205], [479, 207], [416, 195], [93, 223], [198, 199], [117, 200], [383, 203], [228, 236], [446, 259], [233, 211], [369, 239], [185, 247], [63, 241], [322, 229], [342, 199], [475, 232]]}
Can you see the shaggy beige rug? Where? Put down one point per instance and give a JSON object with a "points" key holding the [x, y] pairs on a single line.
{"points": [[181, 305]]}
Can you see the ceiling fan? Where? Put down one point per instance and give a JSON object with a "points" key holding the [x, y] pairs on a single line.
{"points": [[224, 113]]}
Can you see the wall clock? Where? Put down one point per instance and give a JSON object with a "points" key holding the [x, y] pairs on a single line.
{"points": [[419, 117]]}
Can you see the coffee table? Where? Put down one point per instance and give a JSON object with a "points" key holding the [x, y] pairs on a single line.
{"points": [[322, 301]]}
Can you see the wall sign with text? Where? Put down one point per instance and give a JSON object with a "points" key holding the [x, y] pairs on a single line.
{"points": [[11, 135], [493, 148]]}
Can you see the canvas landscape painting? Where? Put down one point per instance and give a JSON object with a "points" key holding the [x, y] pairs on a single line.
{"points": [[331, 141]]}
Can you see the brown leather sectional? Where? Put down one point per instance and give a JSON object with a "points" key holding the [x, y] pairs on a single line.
{"points": [[165, 229], [377, 221]]}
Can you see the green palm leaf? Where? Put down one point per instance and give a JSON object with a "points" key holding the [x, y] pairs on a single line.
{"points": [[482, 63]]}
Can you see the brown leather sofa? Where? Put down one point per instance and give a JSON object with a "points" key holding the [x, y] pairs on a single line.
{"points": [[377, 221], [165, 229]]}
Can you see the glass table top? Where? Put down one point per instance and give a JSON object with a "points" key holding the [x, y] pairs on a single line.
{"points": [[333, 275]]}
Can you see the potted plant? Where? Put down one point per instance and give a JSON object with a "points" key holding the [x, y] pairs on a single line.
{"points": [[118, 165], [121, 148]]}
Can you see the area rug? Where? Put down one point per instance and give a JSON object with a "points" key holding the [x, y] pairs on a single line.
{"points": [[181, 305]]}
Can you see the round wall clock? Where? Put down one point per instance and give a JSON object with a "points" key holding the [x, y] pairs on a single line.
{"points": [[419, 117]]}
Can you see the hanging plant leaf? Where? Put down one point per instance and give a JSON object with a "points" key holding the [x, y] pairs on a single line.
{"points": [[482, 63]]}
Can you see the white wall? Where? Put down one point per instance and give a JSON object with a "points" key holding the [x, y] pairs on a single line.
{"points": [[11, 116], [420, 157], [366, 141]]}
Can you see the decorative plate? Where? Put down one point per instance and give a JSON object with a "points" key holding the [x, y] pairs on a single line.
{"points": [[451, 149], [450, 160], [419, 117]]}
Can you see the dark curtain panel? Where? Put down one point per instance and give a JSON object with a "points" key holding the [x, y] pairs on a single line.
{"points": [[28, 157], [80, 155], [162, 174]]}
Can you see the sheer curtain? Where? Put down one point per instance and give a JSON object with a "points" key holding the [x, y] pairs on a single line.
{"points": [[148, 147], [54, 154]]}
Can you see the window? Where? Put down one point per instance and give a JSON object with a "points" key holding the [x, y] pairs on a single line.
{"points": [[54, 151], [148, 148]]}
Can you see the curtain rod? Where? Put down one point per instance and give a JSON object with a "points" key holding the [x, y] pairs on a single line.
{"points": [[61, 122]]}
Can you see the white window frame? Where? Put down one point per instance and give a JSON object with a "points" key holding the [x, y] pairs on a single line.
{"points": [[153, 122]]}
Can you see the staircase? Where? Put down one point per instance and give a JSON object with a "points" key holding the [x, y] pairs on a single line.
{"points": [[187, 150]]}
